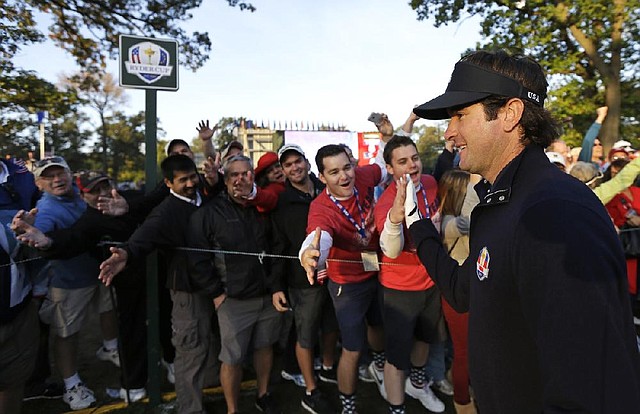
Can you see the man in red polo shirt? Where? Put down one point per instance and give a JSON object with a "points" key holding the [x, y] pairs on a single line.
{"points": [[411, 302], [341, 228]]}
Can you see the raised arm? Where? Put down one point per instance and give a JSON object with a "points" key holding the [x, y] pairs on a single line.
{"points": [[592, 133], [624, 179], [205, 133], [392, 234]]}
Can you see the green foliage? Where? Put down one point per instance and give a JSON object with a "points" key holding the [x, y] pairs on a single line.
{"points": [[590, 46], [65, 137], [17, 29], [227, 131], [278, 140], [89, 30], [127, 139], [22, 94], [99, 91], [430, 143]]}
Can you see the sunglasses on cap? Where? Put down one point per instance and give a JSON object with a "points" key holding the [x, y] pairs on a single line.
{"points": [[595, 178], [46, 161]]}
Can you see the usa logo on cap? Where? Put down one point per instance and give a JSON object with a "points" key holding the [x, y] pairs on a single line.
{"points": [[482, 265]]}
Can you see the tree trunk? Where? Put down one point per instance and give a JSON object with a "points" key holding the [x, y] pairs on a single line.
{"points": [[103, 133], [610, 131]]}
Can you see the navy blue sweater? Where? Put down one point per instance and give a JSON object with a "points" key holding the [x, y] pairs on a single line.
{"points": [[545, 285]]}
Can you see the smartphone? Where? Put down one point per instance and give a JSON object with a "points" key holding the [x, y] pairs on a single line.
{"points": [[375, 117]]}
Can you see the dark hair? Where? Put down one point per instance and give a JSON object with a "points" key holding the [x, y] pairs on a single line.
{"points": [[175, 142], [538, 126], [329, 151], [178, 162], [396, 141]]}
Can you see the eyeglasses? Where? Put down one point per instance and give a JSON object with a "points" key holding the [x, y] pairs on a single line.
{"points": [[594, 179], [46, 161]]}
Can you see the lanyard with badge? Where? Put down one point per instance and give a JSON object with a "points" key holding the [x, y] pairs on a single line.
{"points": [[369, 258], [426, 204]]}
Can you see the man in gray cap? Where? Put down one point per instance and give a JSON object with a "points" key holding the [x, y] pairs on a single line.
{"points": [[550, 326]]}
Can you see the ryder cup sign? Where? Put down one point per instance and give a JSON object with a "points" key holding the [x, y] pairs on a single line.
{"points": [[148, 63]]}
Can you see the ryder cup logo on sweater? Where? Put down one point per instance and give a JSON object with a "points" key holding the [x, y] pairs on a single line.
{"points": [[482, 265], [148, 61]]}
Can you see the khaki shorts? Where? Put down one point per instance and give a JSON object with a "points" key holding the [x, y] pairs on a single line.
{"points": [[64, 309], [247, 321], [18, 347]]}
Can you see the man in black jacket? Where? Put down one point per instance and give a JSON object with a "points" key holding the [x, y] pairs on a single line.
{"points": [[550, 326], [311, 304], [192, 312], [238, 284]]}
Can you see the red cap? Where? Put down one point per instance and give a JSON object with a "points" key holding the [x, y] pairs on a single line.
{"points": [[614, 150], [266, 161]]}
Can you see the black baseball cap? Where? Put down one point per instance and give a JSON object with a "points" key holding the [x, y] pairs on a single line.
{"points": [[471, 83]]}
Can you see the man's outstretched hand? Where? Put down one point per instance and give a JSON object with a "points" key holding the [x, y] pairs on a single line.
{"points": [[115, 205], [113, 265], [309, 258]]}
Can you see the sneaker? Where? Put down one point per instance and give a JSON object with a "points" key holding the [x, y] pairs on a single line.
{"points": [[317, 364], [110, 355], [636, 321], [425, 396], [267, 404], [79, 397], [135, 394], [317, 403], [363, 374], [328, 375], [297, 379], [171, 373], [444, 387], [42, 390], [378, 378]]}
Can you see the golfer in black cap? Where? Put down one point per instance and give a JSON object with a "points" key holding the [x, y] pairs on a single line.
{"points": [[550, 324]]}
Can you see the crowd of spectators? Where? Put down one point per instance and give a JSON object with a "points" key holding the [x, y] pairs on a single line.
{"points": [[365, 262]]}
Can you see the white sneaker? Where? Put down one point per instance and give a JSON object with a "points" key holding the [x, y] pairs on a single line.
{"points": [[110, 355], [378, 378], [363, 374], [444, 387], [297, 379], [78, 397], [425, 396], [135, 394], [171, 372]]}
